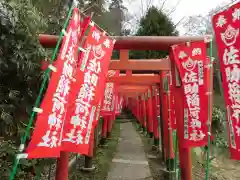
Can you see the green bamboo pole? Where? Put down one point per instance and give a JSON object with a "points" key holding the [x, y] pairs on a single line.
{"points": [[175, 151], [37, 102], [209, 115], [176, 162], [168, 157], [38, 174]]}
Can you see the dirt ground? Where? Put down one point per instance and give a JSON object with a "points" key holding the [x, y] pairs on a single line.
{"points": [[221, 167]]}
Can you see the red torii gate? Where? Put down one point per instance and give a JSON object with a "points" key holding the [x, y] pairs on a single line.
{"points": [[124, 44]]}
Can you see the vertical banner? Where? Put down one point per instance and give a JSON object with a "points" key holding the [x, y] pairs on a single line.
{"points": [[155, 106], [190, 59], [157, 97], [165, 118], [87, 92], [226, 26], [172, 117], [47, 136], [110, 95], [119, 104], [107, 107]]}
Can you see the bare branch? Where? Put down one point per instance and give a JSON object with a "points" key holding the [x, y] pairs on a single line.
{"points": [[149, 4], [142, 10], [179, 22], [174, 8], [162, 6]]}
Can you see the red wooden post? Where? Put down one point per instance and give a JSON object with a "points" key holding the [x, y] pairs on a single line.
{"points": [[168, 139], [109, 125], [137, 110], [141, 112], [164, 116], [150, 112], [144, 110], [155, 116], [88, 165], [104, 130], [62, 166], [165, 124], [184, 153]]}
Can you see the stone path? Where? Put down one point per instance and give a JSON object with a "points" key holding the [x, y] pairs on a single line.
{"points": [[129, 162]]}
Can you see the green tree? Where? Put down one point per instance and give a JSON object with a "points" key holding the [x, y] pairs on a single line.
{"points": [[20, 73], [154, 23], [55, 12], [20, 57], [111, 20]]}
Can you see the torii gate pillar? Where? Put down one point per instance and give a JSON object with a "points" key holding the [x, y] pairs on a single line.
{"points": [[184, 153]]}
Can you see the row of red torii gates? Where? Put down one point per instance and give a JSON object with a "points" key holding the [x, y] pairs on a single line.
{"points": [[137, 77]]}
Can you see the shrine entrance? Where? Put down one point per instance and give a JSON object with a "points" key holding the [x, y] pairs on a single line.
{"points": [[143, 79]]}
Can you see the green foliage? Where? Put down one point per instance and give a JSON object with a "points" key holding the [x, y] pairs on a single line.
{"points": [[218, 128], [154, 23], [20, 76], [217, 119], [111, 21], [20, 58], [220, 141], [54, 13]]}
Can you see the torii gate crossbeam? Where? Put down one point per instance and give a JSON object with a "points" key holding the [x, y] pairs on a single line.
{"points": [[141, 43]]}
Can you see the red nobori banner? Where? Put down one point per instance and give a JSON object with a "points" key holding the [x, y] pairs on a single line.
{"points": [[226, 26], [87, 92], [190, 60], [46, 138], [108, 104], [173, 122], [119, 104], [116, 99]]}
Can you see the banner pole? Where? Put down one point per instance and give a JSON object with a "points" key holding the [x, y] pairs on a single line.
{"points": [[175, 154], [209, 112]]}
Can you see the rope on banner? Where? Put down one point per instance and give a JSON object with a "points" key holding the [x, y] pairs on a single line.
{"points": [[208, 39], [37, 102], [94, 23]]}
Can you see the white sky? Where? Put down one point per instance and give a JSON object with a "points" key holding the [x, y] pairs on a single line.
{"points": [[183, 9]]}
